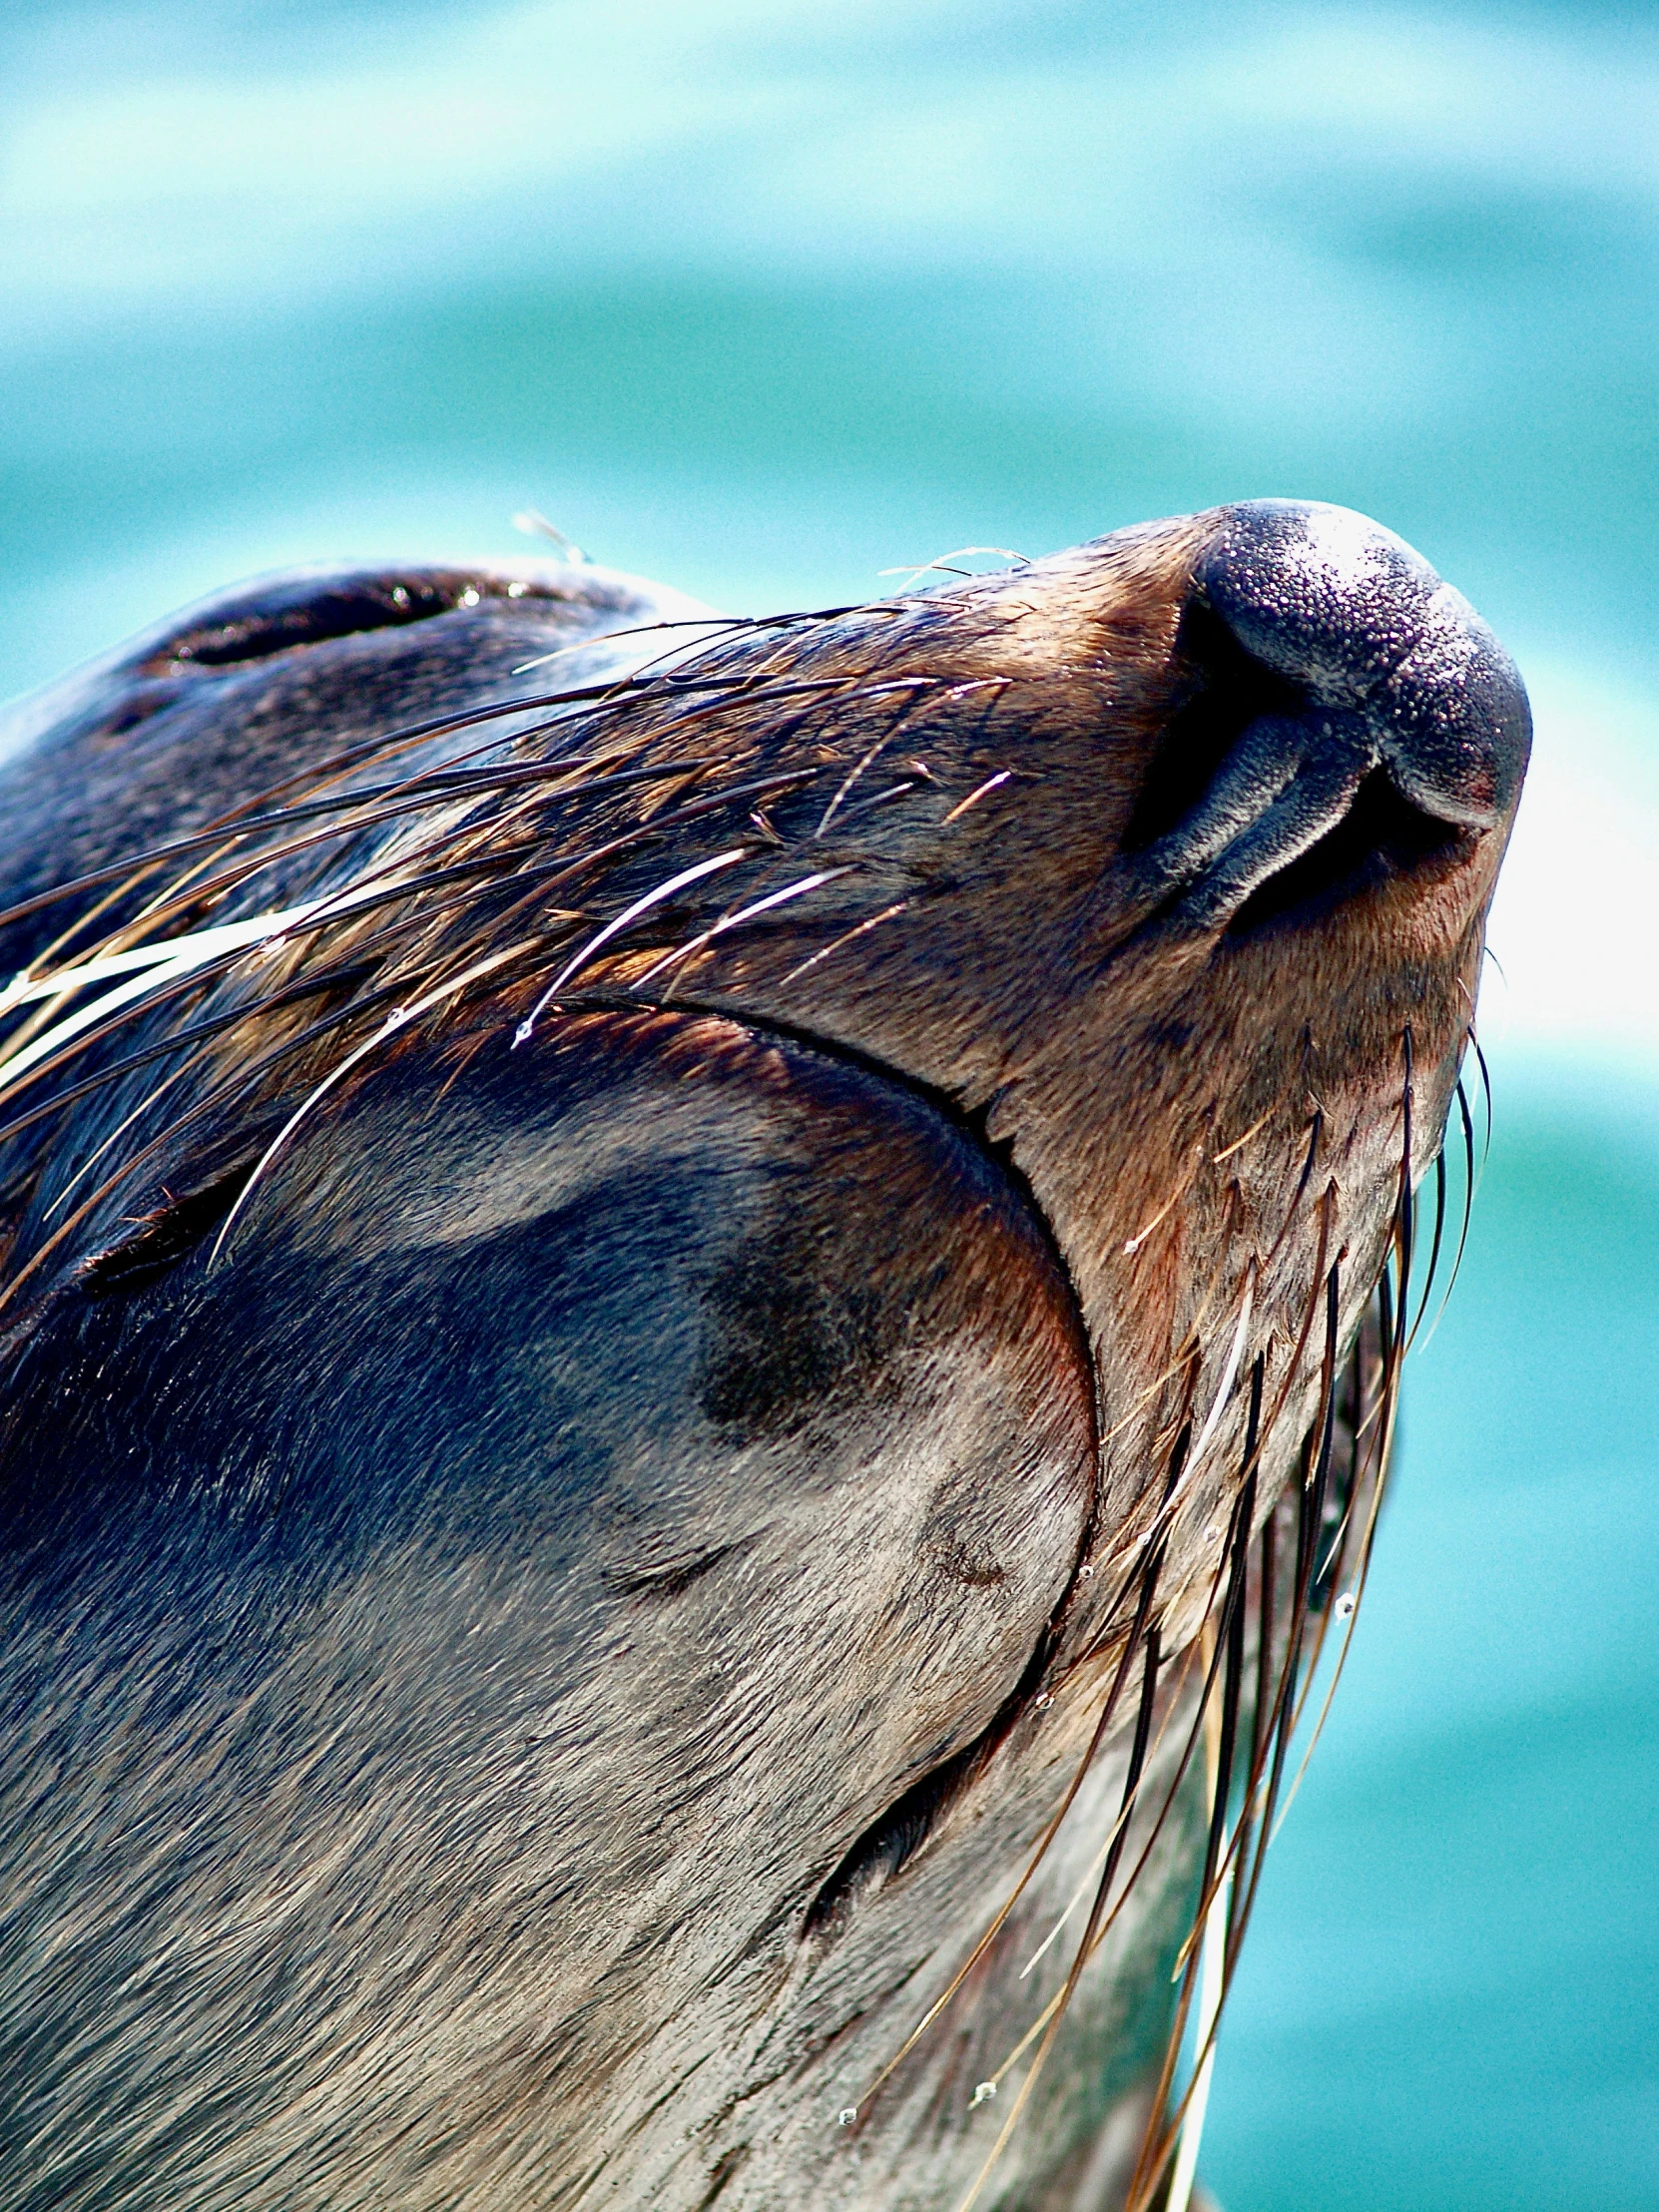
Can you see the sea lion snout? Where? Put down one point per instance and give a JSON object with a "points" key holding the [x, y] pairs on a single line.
{"points": [[1387, 710]]}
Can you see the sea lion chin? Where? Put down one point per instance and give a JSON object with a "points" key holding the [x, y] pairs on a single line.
{"points": [[696, 1314]]}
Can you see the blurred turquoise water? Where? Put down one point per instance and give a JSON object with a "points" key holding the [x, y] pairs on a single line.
{"points": [[764, 299], [1449, 1998]]}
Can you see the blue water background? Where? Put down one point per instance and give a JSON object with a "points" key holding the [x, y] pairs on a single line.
{"points": [[766, 298]]}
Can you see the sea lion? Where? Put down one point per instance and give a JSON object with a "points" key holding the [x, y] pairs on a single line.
{"points": [[684, 1355]]}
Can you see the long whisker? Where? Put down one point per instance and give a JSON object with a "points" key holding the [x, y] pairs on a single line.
{"points": [[1184, 1666], [694, 945], [727, 624], [1398, 1341], [611, 697], [1235, 1566], [1148, 1574], [1468, 1209], [1223, 1388], [1214, 1902], [156, 1092], [653, 898], [1142, 1725], [185, 962], [196, 893], [1434, 1247], [887, 914], [1485, 1088], [1049, 2018], [1163, 2140], [398, 1018]]}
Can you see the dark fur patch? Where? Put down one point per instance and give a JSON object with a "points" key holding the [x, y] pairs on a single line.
{"points": [[792, 1325]]}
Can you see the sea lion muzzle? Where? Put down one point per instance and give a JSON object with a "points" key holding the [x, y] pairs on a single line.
{"points": [[679, 1293], [1388, 675]]}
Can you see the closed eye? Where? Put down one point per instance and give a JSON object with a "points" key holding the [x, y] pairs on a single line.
{"points": [[310, 609]]}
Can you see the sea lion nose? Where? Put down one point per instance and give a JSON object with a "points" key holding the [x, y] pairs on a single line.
{"points": [[1362, 624], [1356, 720]]}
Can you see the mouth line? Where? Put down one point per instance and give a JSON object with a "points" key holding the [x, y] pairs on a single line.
{"points": [[882, 1850], [888, 1844], [969, 1124]]}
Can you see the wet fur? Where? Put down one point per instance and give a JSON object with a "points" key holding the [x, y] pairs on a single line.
{"points": [[558, 1581]]}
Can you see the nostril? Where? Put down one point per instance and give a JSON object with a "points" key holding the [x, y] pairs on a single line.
{"points": [[1343, 716], [1359, 623], [1226, 691], [1382, 834]]}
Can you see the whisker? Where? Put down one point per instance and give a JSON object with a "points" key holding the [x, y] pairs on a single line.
{"points": [[398, 1018], [959, 553], [199, 1109], [1434, 1247], [1223, 1388], [632, 912], [1184, 1184], [974, 797], [1143, 1721], [28, 985], [1212, 1973], [727, 624], [1207, 1966], [887, 914], [612, 697], [183, 962], [1469, 1208], [319, 773], [1148, 1575], [696, 944], [237, 879], [1235, 1566], [149, 1098], [891, 736], [1485, 1089]]}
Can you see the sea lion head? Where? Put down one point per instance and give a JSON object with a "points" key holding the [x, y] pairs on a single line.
{"points": [[703, 1312]]}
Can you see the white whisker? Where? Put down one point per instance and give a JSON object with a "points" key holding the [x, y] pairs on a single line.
{"points": [[150, 969], [1230, 1375], [974, 797], [398, 1018], [887, 914], [526, 1027], [695, 945]]}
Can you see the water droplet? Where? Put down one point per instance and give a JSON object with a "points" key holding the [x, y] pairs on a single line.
{"points": [[1044, 1700], [985, 2091], [846, 2115], [523, 1033], [1344, 1605], [1085, 1574]]}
